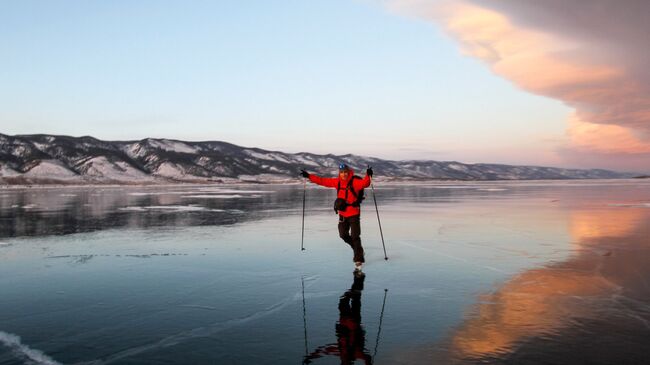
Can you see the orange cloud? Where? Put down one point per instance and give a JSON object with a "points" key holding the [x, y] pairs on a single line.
{"points": [[611, 100], [609, 138]]}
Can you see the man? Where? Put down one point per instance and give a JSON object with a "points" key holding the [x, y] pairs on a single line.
{"points": [[347, 205]]}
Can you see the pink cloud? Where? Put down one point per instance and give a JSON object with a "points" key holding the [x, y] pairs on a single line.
{"points": [[592, 55]]}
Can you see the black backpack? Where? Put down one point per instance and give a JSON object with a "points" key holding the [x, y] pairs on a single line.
{"points": [[342, 203]]}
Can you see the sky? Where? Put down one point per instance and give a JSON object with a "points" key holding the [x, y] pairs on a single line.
{"points": [[553, 83]]}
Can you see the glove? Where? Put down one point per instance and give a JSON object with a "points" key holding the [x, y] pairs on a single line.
{"points": [[304, 173], [369, 171]]}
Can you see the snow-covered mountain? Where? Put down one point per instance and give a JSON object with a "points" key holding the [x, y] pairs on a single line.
{"points": [[28, 159]]}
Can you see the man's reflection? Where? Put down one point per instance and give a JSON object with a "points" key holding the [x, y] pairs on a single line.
{"points": [[351, 336]]}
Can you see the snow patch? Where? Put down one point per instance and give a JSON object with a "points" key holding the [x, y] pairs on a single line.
{"points": [[6, 171], [279, 157], [261, 156], [101, 167], [30, 355], [173, 146], [130, 172], [169, 169], [40, 146], [306, 160], [51, 169], [457, 167]]}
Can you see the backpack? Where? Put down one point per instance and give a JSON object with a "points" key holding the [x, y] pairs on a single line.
{"points": [[341, 203]]}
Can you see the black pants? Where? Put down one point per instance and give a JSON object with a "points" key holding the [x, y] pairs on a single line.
{"points": [[350, 232]]}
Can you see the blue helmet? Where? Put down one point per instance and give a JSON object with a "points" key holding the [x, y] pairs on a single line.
{"points": [[343, 167]]}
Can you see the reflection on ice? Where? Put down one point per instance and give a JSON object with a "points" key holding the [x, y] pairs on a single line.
{"points": [[563, 312], [350, 334], [49, 211]]}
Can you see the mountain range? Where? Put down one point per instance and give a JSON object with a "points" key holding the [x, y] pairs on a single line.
{"points": [[43, 159]]}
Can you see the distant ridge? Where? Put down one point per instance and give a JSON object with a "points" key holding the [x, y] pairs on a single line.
{"points": [[43, 159]]}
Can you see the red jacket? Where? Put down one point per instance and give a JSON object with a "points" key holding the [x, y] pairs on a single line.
{"points": [[333, 182]]}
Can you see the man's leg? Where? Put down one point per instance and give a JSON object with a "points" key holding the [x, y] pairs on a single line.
{"points": [[355, 234], [344, 230]]}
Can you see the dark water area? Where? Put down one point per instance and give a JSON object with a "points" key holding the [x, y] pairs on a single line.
{"points": [[478, 273]]}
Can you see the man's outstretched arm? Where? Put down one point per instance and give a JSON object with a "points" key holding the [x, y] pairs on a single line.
{"points": [[322, 181]]}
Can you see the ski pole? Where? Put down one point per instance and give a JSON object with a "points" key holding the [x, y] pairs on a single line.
{"points": [[304, 315], [378, 220], [304, 193], [381, 319]]}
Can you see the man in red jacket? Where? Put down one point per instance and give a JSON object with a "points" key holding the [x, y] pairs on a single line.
{"points": [[347, 205]]}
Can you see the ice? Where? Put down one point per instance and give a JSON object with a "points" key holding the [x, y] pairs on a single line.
{"points": [[266, 178], [132, 209], [209, 190], [146, 278], [146, 193], [232, 196], [631, 205], [234, 191], [170, 208], [206, 331]]}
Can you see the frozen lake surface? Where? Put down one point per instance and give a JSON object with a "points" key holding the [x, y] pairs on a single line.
{"points": [[501, 272]]}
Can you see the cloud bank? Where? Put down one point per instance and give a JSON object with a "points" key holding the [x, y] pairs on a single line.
{"points": [[592, 55]]}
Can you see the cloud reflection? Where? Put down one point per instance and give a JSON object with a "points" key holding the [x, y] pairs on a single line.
{"points": [[601, 292]]}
